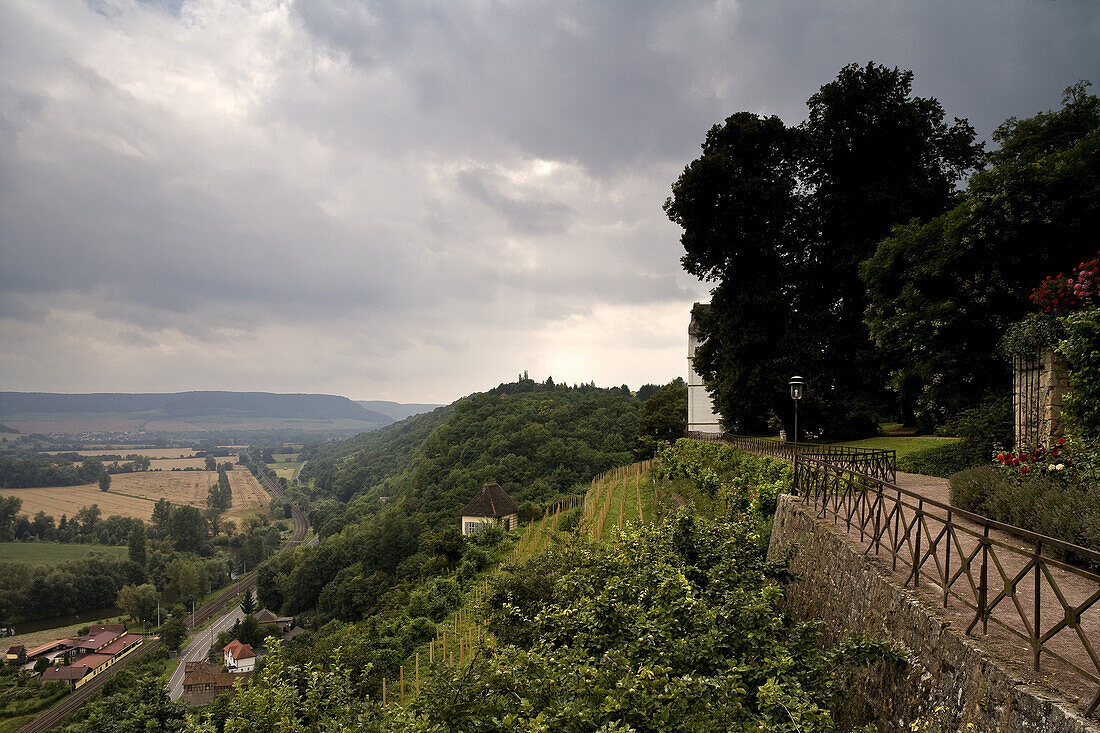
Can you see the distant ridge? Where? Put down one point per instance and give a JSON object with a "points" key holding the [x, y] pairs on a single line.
{"points": [[171, 411], [397, 410]]}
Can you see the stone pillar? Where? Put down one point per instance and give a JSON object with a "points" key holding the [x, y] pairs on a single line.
{"points": [[1038, 386]]}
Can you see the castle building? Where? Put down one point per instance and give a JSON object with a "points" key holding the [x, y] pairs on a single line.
{"points": [[701, 417]]}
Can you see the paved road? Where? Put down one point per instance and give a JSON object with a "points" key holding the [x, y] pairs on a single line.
{"points": [[198, 646]]}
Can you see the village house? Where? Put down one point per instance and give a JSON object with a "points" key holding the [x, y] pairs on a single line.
{"points": [[264, 616], [239, 657], [203, 681], [491, 505], [16, 651]]}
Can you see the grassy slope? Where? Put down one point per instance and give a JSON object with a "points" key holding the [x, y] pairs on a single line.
{"points": [[52, 553]]}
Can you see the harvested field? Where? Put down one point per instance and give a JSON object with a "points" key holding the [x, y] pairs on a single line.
{"points": [[133, 494], [126, 450], [167, 464]]}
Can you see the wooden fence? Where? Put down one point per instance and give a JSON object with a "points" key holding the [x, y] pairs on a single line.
{"points": [[1038, 589]]}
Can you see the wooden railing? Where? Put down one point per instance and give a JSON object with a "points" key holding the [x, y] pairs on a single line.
{"points": [[994, 572]]}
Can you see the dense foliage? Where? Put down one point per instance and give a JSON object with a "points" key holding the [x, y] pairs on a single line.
{"points": [[942, 292], [664, 418], [1081, 347], [675, 628], [780, 217], [344, 468], [21, 473], [39, 591]]}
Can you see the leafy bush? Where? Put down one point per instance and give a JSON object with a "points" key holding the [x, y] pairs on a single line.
{"points": [[971, 488], [1081, 347], [1041, 502], [944, 460]]}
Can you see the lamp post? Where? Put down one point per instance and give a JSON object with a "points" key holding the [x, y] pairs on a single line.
{"points": [[798, 385]]}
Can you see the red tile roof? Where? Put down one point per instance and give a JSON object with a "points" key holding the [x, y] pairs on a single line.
{"points": [[237, 650], [92, 661], [121, 644], [95, 641], [49, 647], [64, 673], [97, 628], [492, 501]]}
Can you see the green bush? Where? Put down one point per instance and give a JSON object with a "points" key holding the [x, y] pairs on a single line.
{"points": [[1081, 347], [945, 460], [1065, 510], [971, 488]]}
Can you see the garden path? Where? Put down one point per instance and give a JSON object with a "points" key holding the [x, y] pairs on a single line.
{"points": [[1008, 569]]}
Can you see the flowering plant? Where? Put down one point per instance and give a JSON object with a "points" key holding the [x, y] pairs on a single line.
{"points": [[1061, 293], [1037, 459]]}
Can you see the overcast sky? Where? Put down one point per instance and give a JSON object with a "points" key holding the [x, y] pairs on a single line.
{"points": [[414, 201]]}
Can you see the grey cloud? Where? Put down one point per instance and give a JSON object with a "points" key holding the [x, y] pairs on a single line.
{"points": [[528, 216], [333, 196]]}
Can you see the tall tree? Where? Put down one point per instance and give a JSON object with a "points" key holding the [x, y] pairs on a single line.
{"points": [[137, 544], [187, 527], [664, 417], [780, 219], [104, 480], [9, 508]]}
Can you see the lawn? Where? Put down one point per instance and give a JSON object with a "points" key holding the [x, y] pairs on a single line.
{"points": [[52, 553], [904, 445]]}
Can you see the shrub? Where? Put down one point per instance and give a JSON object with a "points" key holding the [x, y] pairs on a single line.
{"points": [[1081, 347], [945, 460], [971, 488]]}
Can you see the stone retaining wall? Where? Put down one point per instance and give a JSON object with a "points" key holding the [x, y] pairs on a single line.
{"points": [[947, 669]]}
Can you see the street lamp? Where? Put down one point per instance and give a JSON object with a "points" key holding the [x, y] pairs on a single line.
{"points": [[798, 386]]}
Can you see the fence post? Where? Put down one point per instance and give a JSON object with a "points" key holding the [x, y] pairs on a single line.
{"points": [[982, 589], [948, 530], [1036, 648], [916, 555]]}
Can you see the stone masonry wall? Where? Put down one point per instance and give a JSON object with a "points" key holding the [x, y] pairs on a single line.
{"points": [[848, 591], [1038, 389]]}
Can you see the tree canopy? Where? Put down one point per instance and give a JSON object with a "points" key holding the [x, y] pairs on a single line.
{"points": [[941, 292], [780, 217]]}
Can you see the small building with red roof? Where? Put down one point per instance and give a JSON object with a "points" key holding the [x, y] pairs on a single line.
{"points": [[239, 657]]}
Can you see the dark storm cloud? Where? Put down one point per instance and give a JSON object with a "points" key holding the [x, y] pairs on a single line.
{"points": [[367, 197]]}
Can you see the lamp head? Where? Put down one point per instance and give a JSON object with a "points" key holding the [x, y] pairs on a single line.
{"points": [[798, 386]]}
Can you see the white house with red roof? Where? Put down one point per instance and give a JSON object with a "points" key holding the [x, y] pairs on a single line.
{"points": [[239, 657]]}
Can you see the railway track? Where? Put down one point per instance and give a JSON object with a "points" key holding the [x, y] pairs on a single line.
{"points": [[53, 716]]}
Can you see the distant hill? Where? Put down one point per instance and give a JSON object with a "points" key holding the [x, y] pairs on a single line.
{"points": [[538, 441], [397, 410], [185, 412]]}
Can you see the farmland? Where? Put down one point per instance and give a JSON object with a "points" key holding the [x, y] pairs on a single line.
{"points": [[133, 494], [52, 553], [125, 450]]}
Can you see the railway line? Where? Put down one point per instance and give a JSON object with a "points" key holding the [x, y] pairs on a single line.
{"points": [[53, 716]]}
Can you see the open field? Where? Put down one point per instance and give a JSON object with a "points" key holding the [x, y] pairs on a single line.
{"points": [[167, 464], [125, 450], [52, 553], [285, 457], [133, 494], [285, 470], [904, 445]]}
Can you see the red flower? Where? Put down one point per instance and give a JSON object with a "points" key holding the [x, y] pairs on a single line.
{"points": [[1024, 469]]}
